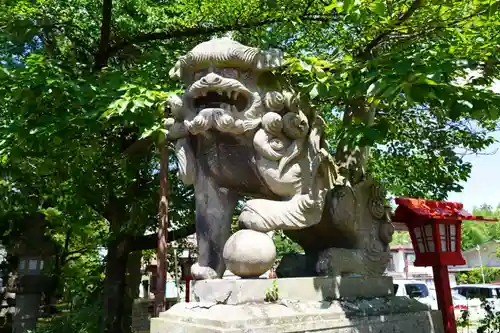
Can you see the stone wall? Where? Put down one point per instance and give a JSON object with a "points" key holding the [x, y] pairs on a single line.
{"points": [[141, 315], [142, 312]]}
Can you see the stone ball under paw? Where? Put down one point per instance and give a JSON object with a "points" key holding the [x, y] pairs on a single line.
{"points": [[249, 253]]}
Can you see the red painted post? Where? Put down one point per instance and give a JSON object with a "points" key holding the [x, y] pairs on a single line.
{"points": [[445, 301], [188, 287]]}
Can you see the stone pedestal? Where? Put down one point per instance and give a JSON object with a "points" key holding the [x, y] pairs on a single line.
{"points": [[26, 316], [242, 291], [343, 305]]}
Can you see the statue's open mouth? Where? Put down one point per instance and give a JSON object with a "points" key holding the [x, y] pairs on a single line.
{"points": [[218, 92], [227, 100], [224, 104]]}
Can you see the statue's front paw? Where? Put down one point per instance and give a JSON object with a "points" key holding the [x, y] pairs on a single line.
{"points": [[248, 219], [202, 272]]}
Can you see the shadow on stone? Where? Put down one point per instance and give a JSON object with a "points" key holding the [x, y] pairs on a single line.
{"points": [[297, 265], [387, 313], [319, 304]]}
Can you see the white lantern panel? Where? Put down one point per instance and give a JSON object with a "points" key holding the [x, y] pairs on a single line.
{"points": [[420, 241], [429, 242], [32, 265], [453, 238], [442, 236]]}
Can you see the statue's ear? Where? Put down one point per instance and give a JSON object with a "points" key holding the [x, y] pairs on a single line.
{"points": [[175, 72]]}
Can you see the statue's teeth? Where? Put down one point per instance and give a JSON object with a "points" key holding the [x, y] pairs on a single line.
{"points": [[235, 95], [204, 93], [234, 108], [228, 94]]}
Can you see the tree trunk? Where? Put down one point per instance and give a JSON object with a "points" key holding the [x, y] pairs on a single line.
{"points": [[115, 287], [102, 55], [50, 299], [161, 254], [149, 242], [353, 158]]}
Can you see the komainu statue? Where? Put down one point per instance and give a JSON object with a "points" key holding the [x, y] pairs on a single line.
{"points": [[234, 137]]}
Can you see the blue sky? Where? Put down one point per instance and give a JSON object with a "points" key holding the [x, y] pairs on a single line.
{"points": [[483, 185]]}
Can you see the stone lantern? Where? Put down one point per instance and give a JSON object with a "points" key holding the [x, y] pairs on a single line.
{"points": [[35, 251]]}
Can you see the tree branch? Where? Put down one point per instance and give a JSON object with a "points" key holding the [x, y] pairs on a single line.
{"points": [[203, 31], [139, 146], [102, 55], [79, 251], [74, 256], [395, 35], [149, 242], [403, 17]]}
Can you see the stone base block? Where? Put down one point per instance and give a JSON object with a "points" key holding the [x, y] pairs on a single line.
{"points": [[241, 291], [388, 314]]}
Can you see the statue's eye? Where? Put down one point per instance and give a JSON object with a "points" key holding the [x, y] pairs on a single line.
{"points": [[229, 73], [198, 75], [244, 75]]}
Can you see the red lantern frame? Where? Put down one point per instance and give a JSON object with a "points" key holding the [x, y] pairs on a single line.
{"points": [[441, 220]]}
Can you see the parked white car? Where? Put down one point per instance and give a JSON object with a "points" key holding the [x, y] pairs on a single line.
{"points": [[472, 306], [415, 289], [489, 292], [421, 292]]}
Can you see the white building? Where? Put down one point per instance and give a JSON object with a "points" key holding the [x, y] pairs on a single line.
{"points": [[483, 255], [401, 266]]}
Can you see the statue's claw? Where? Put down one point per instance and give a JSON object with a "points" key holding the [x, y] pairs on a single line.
{"points": [[248, 219], [202, 272]]}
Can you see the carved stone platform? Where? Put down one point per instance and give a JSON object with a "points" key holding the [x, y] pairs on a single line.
{"points": [[318, 304], [388, 314], [241, 291]]}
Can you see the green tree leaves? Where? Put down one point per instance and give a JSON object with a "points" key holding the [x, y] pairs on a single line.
{"points": [[475, 233], [407, 60], [475, 276], [401, 238], [421, 73]]}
